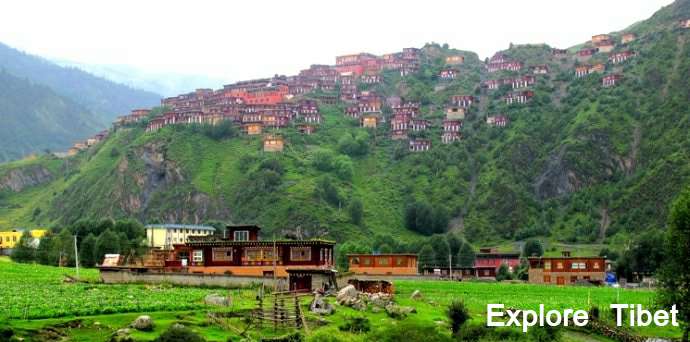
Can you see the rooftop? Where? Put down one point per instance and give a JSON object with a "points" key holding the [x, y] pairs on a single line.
{"points": [[180, 226]]}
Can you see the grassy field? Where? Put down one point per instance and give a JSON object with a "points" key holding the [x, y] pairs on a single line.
{"points": [[93, 311]]}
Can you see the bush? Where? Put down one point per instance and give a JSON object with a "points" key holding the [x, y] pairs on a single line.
{"points": [[356, 324], [458, 314], [356, 211], [179, 333], [503, 273], [408, 331], [533, 247]]}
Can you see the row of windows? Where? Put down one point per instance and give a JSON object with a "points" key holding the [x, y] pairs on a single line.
{"points": [[573, 266], [383, 261]]}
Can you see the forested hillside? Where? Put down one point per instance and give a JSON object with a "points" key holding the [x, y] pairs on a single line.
{"points": [[578, 163], [35, 119]]}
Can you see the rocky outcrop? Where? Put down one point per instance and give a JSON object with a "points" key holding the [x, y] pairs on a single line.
{"points": [[19, 179]]}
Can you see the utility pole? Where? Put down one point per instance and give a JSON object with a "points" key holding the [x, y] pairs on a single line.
{"points": [[450, 265], [76, 256], [275, 284]]}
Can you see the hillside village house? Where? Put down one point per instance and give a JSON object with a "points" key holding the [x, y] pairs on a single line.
{"points": [[273, 143], [559, 52], [306, 129], [600, 38], [252, 128], [419, 145], [493, 84], [370, 79], [463, 101], [509, 65], [605, 46], [497, 120], [627, 38], [582, 70], [685, 23], [369, 120], [164, 236], [420, 125], [455, 113], [411, 108], [448, 74], [586, 53], [522, 82], [620, 57], [485, 266], [450, 137], [383, 264], [566, 270], [541, 69], [611, 80], [455, 60], [518, 97]]}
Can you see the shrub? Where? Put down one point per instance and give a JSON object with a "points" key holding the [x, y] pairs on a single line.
{"points": [[503, 273], [458, 314], [356, 324], [179, 333], [409, 331]]}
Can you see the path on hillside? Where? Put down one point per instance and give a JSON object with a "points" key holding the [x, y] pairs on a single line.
{"points": [[680, 42]]}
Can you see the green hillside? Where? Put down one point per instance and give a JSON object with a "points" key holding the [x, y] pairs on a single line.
{"points": [[35, 119], [579, 164]]}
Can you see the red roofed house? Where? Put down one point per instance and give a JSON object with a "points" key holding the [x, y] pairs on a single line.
{"points": [[519, 97], [599, 38], [586, 53], [605, 46], [488, 260], [420, 145], [620, 57], [542, 69], [497, 120], [420, 125], [464, 101], [611, 80], [448, 74], [523, 82], [451, 131]]}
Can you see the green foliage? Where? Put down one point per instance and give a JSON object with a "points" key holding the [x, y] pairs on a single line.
{"points": [[24, 250], [327, 191], [356, 210], [179, 333], [87, 251], [532, 247], [643, 256], [354, 145], [409, 331], [422, 218], [675, 275], [355, 324], [107, 243], [466, 255], [503, 273], [458, 314]]}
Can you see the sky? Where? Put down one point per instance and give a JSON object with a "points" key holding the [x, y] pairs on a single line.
{"points": [[236, 40]]}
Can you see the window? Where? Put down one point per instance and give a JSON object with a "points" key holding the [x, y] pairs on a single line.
{"points": [[14, 239], [355, 261], [300, 253], [367, 261], [253, 254], [241, 235], [198, 255], [559, 265], [574, 266], [547, 278], [582, 266], [596, 265], [547, 265], [383, 261], [222, 254], [400, 261]]}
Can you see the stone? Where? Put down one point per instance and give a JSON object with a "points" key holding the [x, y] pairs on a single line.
{"points": [[321, 306], [359, 305], [143, 323], [416, 295], [395, 311], [121, 335], [217, 300], [346, 294]]}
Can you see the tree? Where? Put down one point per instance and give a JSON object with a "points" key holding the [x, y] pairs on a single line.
{"points": [[24, 250], [326, 191], [45, 253], [674, 277], [356, 210], [87, 251], [454, 242], [503, 273], [532, 247], [64, 247], [107, 243], [179, 333], [466, 255], [441, 249]]}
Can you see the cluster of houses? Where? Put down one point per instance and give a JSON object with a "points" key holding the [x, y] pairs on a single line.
{"points": [[500, 61], [182, 253], [83, 145], [604, 43]]}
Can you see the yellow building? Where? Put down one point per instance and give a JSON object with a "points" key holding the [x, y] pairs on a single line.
{"points": [[273, 143], [166, 235], [9, 239], [369, 120]]}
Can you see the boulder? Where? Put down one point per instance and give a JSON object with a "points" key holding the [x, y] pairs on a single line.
{"points": [[395, 311], [143, 323], [379, 299], [216, 299], [416, 295], [121, 335], [321, 306], [346, 294]]}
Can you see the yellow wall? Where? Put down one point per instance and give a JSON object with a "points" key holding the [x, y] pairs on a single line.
{"points": [[158, 237], [10, 239]]}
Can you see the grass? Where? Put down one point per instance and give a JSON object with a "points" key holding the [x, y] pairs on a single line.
{"points": [[102, 309]]}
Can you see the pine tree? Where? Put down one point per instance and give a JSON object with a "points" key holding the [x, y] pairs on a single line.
{"points": [[466, 255], [87, 251]]}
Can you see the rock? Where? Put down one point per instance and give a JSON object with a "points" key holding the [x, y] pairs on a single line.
{"points": [[376, 309], [216, 299], [347, 293], [121, 335], [416, 295], [143, 323], [395, 311], [379, 299], [359, 305], [320, 306]]}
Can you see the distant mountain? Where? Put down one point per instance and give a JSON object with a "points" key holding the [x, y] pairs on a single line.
{"points": [[166, 84], [104, 98], [35, 118]]}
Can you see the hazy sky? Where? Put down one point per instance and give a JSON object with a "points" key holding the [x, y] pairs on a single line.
{"points": [[249, 39]]}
